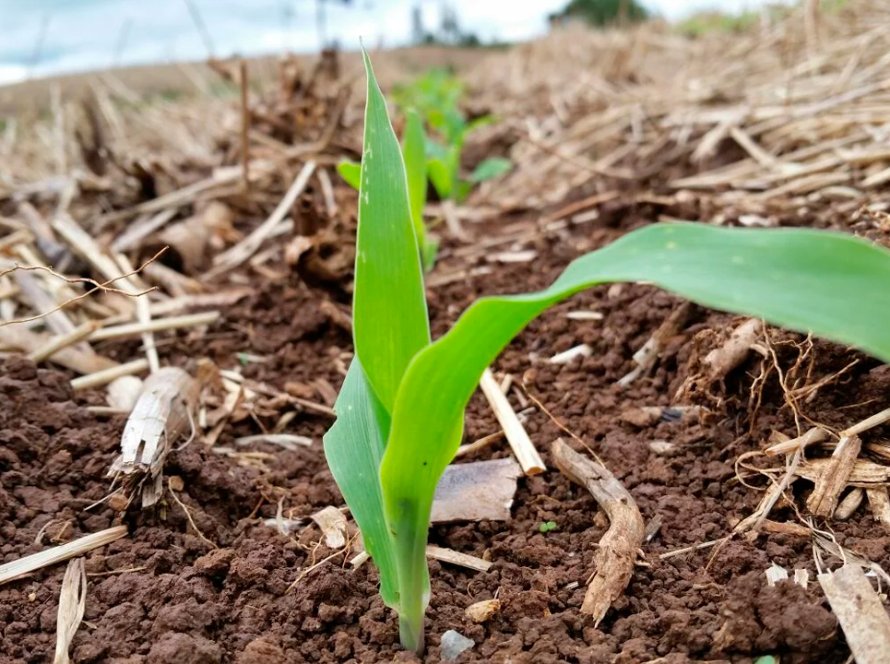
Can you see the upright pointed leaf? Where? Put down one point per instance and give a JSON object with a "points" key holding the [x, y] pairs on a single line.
{"points": [[389, 307], [414, 148], [353, 447], [830, 284]]}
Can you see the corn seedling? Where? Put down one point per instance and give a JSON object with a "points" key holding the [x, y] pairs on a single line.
{"points": [[401, 408], [436, 96]]}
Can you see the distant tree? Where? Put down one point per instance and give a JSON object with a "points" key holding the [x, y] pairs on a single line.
{"points": [[602, 12]]}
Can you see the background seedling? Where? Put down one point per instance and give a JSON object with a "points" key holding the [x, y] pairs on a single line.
{"points": [[414, 149], [400, 411], [547, 526], [436, 96]]}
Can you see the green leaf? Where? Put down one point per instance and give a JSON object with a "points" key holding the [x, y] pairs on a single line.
{"points": [[429, 251], [830, 284], [414, 148], [440, 176], [389, 306], [491, 168], [547, 526], [353, 447], [351, 172]]}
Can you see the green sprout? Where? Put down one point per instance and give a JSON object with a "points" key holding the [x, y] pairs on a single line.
{"points": [[547, 527], [400, 412], [436, 96]]}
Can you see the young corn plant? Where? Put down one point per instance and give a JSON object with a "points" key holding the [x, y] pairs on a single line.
{"points": [[414, 149], [401, 408]]}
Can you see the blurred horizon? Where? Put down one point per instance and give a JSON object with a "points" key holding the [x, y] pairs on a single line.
{"points": [[51, 37]]}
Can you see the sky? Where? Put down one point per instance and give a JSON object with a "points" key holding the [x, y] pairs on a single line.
{"points": [[43, 37]]}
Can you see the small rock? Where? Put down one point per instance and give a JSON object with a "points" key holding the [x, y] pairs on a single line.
{"points": [[453, 644], [663, 447], [480, 612]]}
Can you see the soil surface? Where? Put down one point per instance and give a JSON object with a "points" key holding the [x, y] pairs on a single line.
{"points": [[164, 594]]}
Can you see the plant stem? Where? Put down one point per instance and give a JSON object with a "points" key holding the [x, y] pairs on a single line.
{"points": [[411, 630], [414, 576]]}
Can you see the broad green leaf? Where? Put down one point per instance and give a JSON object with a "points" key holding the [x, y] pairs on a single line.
{"points": [[491, 168], [389, 306], [832, 285], [353, 447], [414, 148], [351, 172]]}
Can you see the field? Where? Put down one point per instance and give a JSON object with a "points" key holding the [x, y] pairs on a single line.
{"points": [[221, 547]]}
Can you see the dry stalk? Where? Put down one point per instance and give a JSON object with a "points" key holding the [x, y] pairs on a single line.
{"points": [[618, 547], [164, 410], [105, 376], [24, 566], [834, 477], [860, 612], [647, 355], [457, 558], [72, 602], [522, 446]]}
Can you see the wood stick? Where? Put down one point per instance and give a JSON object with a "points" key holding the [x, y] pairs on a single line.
{"points": [[479, 444], [457, 558], [239, 253], [823, 501], [860, 612], [61, 341], [731, 354], [19, 568], [23, 339], [879, 501], [72, 602], [867, 423], [155, 325], [164, 410], [814, 435], [849, 504], [522, 446], [107, 375], [143, 313], [618, 548]]}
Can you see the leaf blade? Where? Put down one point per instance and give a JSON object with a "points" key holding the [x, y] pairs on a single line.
{"points": [[389, 304], [353, 448], [414, 149], [772, 273]]}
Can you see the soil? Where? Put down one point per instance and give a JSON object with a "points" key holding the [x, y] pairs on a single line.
{"points": [[162, 594]]}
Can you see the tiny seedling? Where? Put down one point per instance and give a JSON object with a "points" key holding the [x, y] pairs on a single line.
{"points": [[400, 411], [547, 527]]}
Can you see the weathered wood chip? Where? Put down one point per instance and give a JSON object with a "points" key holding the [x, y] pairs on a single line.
{"points": [[834, 477], [618, 547], [476, 491], [860, 612], [333, 525]]}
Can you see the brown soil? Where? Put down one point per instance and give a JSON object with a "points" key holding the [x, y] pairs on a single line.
{"points": [[163, 595]]}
